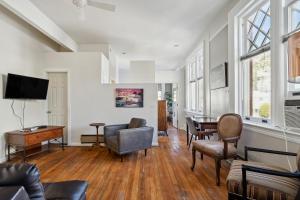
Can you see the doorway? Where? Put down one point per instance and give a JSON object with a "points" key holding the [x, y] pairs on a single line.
{"points": [[169, 92], [58, 101]]}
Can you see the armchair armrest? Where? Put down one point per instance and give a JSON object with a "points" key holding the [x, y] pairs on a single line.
{"points": [[229, 140], [246, 168], [267, 151], [112, 129], [135, 139]]}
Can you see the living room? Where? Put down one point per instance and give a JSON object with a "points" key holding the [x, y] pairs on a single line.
{"points": [[111, 99]]}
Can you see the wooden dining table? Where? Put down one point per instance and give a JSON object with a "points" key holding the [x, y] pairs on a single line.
{"points": [[203, 123]]}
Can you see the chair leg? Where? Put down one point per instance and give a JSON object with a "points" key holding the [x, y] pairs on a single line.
{"points": [[121, 158], [145, 152], [194, 159], [218, 168], [191, 141], [201, 156]]}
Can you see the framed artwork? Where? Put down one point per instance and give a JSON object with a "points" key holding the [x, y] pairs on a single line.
{"points": [[219, 77], [129, 98]]}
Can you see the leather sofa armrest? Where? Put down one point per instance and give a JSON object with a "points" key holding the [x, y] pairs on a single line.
{"points": [[112, 129], [14, 193]]}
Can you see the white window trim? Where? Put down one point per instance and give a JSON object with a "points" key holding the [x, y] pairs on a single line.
{"points": [[242, 40], [193, 59]]}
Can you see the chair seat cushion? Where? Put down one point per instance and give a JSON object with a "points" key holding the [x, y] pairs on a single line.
{"points": [[262, 186], [71, 190], [214, 148]]}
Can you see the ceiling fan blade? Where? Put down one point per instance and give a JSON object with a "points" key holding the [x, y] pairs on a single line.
{"points": [[104, 6]]}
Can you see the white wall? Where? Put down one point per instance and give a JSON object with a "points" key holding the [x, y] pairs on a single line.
{"points": [[218, 54], [138, 72], [91, 101], [20, 52], [110, 55], [27, 11]]}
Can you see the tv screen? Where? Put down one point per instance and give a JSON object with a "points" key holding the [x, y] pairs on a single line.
{"points": [[23, 87]]}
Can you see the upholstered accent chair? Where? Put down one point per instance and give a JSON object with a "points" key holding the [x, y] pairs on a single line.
{"points": [[126, 138], [229, 129], [255, 180], [196, 132]]}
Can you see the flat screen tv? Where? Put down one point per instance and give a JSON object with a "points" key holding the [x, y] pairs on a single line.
{"points": [[24, 87]]}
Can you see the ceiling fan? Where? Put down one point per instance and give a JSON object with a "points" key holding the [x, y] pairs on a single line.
{"points": [[104, 6]]}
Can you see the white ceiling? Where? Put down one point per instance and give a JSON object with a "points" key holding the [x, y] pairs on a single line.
{"points": [[144, 29]]}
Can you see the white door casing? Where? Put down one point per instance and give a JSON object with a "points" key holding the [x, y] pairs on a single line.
{"points": [[58, 100]]}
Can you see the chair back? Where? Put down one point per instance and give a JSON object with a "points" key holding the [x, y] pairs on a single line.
{"points": [[230, 126], [191, 126], [137, 123]]}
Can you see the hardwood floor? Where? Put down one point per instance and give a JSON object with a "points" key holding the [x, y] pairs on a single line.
{"points": [[164, 174]]}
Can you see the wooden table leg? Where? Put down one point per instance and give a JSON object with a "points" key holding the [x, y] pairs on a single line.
{"points": [[8, 152], [62, 143], [24, 154], [187, 135]]}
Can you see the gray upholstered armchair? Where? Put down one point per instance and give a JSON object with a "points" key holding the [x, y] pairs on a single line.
{"points": [[127, 138]]}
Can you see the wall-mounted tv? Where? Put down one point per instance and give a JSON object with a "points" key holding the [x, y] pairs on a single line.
{"points": [[24, 87]]}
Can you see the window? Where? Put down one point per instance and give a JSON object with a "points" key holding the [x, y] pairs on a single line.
{"points": [[293, 9], [293, 26], [256, 65], [195, 90]]}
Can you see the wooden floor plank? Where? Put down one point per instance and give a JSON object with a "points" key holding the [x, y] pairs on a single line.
{"points": [[164, 174]]}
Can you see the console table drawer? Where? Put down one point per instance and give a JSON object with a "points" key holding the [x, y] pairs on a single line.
{"points": [[37, 138]]}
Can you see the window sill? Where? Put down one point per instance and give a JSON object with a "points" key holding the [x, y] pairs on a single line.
{"points": [[193, 112], [269, 130]]}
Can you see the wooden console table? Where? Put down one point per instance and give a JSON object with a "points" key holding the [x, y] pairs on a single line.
{"points": [[28, 139]]}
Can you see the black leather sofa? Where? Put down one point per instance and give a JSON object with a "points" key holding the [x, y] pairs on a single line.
{"points": [[15, 178]]}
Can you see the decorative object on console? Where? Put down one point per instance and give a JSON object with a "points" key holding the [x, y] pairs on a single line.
{"points": [[219, 76], [129, 98]]}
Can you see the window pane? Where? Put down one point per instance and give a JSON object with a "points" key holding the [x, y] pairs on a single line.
{"points": [[295, 15], [200, 95], [193, 95], [258, 28], [257, 86]]}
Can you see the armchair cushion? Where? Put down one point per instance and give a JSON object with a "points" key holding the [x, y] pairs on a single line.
{"points": [[71, 190], [214, 148], [262, 186], [137, 123]]}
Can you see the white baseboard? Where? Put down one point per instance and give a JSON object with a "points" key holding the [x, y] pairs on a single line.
{"points": [[74, 144], [155, 144]]}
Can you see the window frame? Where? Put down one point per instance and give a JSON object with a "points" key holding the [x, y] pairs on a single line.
{"points": [[197, 60], [244, 55]]}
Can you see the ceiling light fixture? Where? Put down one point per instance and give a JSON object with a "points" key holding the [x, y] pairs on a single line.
{"points": [[124, 53], [176, 45]]}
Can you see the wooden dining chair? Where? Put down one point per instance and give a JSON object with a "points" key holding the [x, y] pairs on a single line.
{"points": [[195, 132], [229, 130]]}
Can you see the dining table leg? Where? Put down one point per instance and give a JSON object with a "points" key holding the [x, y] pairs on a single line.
{"points": [[187, 135]]}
